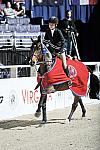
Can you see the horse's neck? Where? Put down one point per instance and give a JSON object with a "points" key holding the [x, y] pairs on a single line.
{"points": [[42, 69], [47, 57], [45, 68]]}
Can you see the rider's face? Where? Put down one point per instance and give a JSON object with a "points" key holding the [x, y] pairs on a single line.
{"points": [[52, 26]]}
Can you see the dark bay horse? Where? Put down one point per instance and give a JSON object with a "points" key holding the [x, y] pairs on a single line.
{"points": [[48, 70]]}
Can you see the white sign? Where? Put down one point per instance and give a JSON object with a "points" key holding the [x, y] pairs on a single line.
{"points": [[18, 97]]}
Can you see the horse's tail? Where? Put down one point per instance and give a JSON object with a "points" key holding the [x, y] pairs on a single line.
{"points": [[94, 85]]}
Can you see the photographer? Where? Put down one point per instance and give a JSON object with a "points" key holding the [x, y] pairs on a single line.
{"points": [[69, 32]]}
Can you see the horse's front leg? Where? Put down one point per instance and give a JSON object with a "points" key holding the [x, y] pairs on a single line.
{"points": [[74, 106], [40, 105], [82, 107]]}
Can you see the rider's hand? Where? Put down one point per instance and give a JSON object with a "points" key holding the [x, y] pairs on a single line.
{"points": [[56, 54], [47, 45]]}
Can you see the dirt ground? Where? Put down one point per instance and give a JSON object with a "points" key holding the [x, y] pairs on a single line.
{"points": [[26, 133]]}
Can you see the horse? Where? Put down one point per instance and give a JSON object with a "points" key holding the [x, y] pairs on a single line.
{"points": [[43, 57]]}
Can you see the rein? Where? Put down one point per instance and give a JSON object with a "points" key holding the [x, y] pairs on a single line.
{"points": [[53, 46]]}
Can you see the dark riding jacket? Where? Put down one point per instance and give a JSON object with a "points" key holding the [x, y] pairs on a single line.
{"points": [[57, 39], [70, 26]]}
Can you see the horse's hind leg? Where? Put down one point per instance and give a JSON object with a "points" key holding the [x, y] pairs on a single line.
{"points": [[44, 119], [82, 107], [42, 100], [74, 106]]}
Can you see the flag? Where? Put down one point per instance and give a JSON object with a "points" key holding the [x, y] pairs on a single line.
{"points": [[82, 2]]}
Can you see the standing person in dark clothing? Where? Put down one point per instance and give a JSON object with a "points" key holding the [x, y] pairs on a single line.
{"points": [[19, 10], [69, 31], [55, 36]]}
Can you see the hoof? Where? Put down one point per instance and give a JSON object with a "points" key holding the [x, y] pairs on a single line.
{"points": [[83, 115], [37, 114], [44, 121], [69, 118]]}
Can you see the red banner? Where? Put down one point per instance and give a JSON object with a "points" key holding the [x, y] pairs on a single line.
{"points": [[93, 2]]}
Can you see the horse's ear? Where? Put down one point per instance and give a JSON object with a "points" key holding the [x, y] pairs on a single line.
{"points": [[32, 40], [33, 44], [39, 38]]}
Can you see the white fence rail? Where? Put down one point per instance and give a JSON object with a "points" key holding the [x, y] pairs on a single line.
{"points": [[97, 67], [14, 69]]}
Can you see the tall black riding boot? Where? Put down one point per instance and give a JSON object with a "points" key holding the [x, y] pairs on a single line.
{"points": [[66, 71]]}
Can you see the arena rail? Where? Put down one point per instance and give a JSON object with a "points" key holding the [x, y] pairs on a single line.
{"points": [[97, 67], [14, 69]]}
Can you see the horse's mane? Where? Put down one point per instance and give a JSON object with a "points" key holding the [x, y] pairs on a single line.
{"points": [[48, 59], [46, 53]]}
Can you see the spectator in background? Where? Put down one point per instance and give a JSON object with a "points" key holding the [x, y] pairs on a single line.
{"points": [[2, 18], [1, 13], [8, 11], [69, 31], [19, 10]]}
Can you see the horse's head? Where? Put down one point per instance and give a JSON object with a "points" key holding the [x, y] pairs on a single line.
{"points": [[36, 51], [41, 53]]}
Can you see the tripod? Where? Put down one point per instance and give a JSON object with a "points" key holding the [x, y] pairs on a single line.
{"points": [[75, 44]]}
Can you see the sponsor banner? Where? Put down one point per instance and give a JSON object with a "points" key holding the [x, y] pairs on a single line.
{"points": [[82, 2], [18, 97]]}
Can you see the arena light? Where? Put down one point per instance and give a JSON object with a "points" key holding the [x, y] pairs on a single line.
{"points": [[40, 1]]}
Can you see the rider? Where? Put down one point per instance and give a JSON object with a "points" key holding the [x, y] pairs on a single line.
{"points": [[55, 37]]}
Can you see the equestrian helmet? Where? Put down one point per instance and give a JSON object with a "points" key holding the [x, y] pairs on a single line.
{"points": [[53, 20]]}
